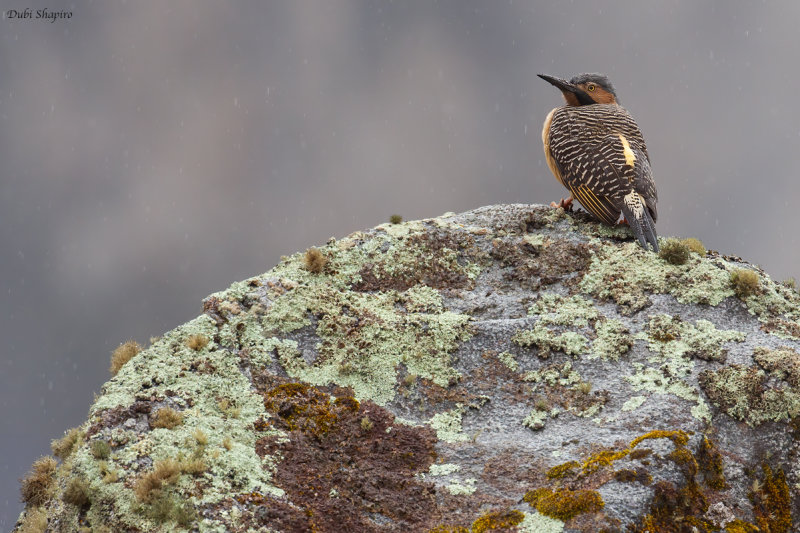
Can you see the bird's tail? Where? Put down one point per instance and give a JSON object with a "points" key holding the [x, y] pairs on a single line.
{"points": [[641, 222]]}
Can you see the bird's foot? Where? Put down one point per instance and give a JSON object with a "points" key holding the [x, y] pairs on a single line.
{"points": [[566, 205]]}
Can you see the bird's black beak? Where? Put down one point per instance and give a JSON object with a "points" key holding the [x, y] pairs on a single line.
{"points": [[566, 87]]}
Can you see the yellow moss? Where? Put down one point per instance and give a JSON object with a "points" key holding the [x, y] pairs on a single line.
{"points": [[449, 529], [679, 437], [497, 520], [564, 504], [710, 461], [601, 459], [772, 503], [738, 526], [559, 471], [122, 354]]}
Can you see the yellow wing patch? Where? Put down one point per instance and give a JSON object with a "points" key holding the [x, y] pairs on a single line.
{"points": [[630, 157]]}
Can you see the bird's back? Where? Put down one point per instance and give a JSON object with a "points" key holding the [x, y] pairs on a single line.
{"points": [[600, 150]]}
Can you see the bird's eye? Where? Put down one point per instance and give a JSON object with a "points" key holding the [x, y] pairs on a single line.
{"points": [[590, 86]]}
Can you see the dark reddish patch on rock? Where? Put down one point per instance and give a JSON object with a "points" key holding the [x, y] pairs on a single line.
{"points": [[535, 266], [347, 466], [433, 266], [109, 418]]}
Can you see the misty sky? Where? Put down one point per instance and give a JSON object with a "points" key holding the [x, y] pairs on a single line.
{"points": [[153, 152]]}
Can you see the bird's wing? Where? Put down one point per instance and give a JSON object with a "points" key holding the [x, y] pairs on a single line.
{"points": [[603, 158]]}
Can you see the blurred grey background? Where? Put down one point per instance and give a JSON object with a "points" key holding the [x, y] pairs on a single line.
{"points": [[154, 152]]}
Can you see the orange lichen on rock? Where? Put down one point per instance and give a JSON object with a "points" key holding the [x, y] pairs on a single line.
{"points": [[497, 520], [564, 504]]}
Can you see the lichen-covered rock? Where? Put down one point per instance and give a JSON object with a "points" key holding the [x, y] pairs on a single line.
{"points": [[513, 368]]}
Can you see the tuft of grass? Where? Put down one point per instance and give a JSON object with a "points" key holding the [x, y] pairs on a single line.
{"points": [[109, 475], [149, 486], [227, 443], [76, 493], [200, 437], [100, 449], [123, 353], [228, 408], [166, 508], [314, 260], [584, 387], [674, 252], [197, 342], [38, 484], [63, 447], [167, 418], [366, 423], [395, 219], [695, 245], [193, 467], [35, 521], [745, 282]]}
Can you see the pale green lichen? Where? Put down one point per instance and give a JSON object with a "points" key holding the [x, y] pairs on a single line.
{"points": [[547, 341], [613, 340], [556, 310], [536, 419], [673, 337], [444, 469], [633, 403], [661, 381], [625, 273], [750, 394], [554, 375], [539, 523], [508, 360], [162, 367], [462, 489], [673, 342], [448, 425]]}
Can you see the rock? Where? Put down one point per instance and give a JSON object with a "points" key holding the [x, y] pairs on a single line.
{"points": [[512, 368]]}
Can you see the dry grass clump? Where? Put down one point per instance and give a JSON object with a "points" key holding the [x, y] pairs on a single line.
{"points": [[148, 486], [167, 418], [197, 342], [35, 521], [395, 219], [38, 484], [314, 260], [745, 282], [695, 245], [124, 353], [76, 493], [100, 449], [63, 447]]}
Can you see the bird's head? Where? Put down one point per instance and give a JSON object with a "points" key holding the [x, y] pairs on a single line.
{"points": [[585, 89]]}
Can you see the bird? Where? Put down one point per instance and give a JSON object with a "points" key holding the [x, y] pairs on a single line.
{"points": [[595, 149]]}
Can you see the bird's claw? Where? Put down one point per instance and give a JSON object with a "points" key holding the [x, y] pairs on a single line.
{"points": [[566, 205]]}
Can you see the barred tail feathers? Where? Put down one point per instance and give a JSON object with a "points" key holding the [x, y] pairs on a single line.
{"points": [[640, 220]]}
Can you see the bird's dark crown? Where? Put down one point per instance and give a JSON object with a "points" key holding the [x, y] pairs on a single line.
{"points": [[598, 79]]}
